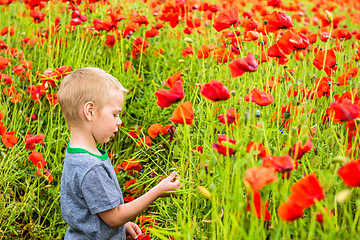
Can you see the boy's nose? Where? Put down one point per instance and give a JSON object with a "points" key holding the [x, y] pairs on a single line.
{"points": [[118, 122]]}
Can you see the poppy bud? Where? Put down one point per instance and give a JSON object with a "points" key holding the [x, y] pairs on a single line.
{"points": [[330, 141], [304, 139], [302, 119], [204, 191], [188, 40], [343, 195], [258, 137], [261, 38], [286, 115], [246, 115], [301, 56], [329, 16], [266, 22], [212, 187]]}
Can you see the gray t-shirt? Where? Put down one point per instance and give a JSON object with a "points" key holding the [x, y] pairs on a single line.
{"points": [[89, 186]]}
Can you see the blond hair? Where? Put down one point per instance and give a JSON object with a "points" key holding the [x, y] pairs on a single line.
{"points": [[84, 85]]}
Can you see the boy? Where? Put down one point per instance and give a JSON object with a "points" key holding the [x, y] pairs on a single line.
{"points": [[90, 196]]}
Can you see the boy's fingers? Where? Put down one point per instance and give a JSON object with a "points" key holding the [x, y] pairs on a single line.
{"points": [[132, 232], [172, 176], [137, 230]]}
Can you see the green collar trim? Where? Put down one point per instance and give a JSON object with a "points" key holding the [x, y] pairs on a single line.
{"points": [[102, 157]]}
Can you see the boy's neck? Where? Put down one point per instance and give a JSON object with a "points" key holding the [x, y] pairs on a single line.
{"points": [[83, 139]]}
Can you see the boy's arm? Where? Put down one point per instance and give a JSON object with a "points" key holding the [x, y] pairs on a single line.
{"points": [[125, 212]]}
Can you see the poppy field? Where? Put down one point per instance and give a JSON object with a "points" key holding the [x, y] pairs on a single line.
{"points": [[255, 104]]}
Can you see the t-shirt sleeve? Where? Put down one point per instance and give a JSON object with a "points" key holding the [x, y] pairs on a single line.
{"points": [[99, 190]]}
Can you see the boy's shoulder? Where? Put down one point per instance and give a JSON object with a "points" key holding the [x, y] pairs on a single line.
{"points": [[78, 162]]}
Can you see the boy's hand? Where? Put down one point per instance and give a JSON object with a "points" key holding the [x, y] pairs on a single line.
{"points": [[170, 183], [132, 231]]}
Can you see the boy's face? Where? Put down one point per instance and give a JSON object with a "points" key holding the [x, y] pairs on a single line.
{"points": [[106, 121]]}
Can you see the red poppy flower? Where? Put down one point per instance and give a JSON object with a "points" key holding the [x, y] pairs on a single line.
{"points": [[132, 166], [341, 33], [222, 55], [63, 71], [298, 150], [52, 97], [143, 237], [259, 97], [277, 20], [226, 19], [146, 220], [38, 17], [31, 140], [203, 52], [344, 111], [253, 147], [37, 159], [144, 141], [135, 132], [258, 208], [276, 51], [349, 95], [140, 20], [241, 65], [130, 28], [2, 128], [320, 216], [155, 130], [128, 65], [7, 30], [259, 177], [290, 211], [350, 173], [152, 33], [26, 64], [4, 62], [231, 116], [183, 114], [307, 191], [281, 164], [327, 63], [200, 149], [44, 173], [8, 139], [187, 51], [128, 186], [173, 79], [110, 40], [10, 91], [167, 129], [7, 79], [226, 151], [75, 22], [173, 19], [167, 97], [215, 91], [36, 91], [18, 70], [128, 199], [345, 77]]}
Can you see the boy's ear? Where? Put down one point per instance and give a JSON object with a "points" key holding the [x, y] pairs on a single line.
{"points": [[89, 110]]}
